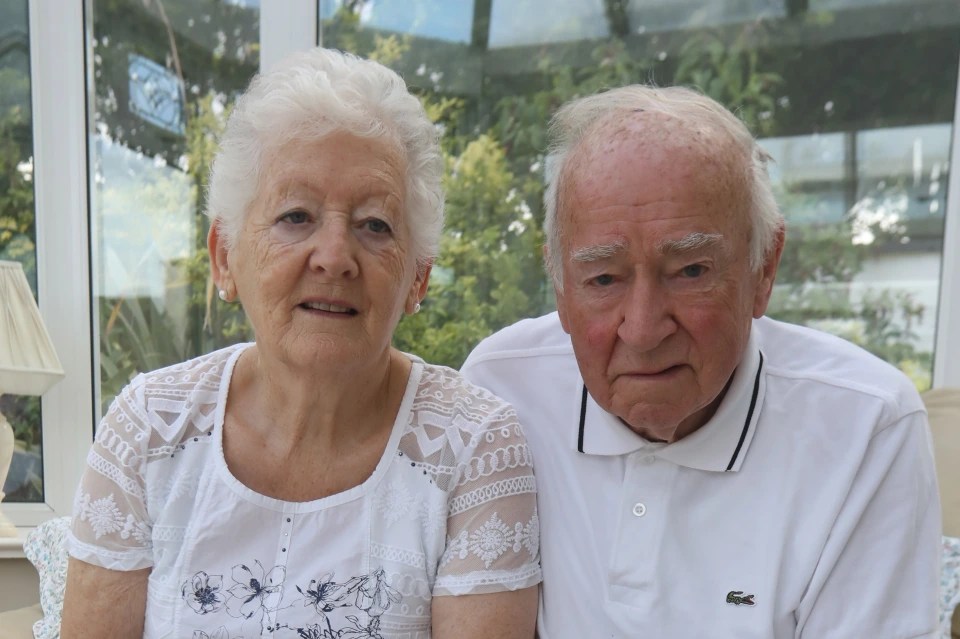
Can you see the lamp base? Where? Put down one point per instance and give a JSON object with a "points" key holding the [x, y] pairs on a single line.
{"points": [[6, 455], [7, 529]]}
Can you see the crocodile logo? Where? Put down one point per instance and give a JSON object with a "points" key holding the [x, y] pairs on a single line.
{"points": [[737, 597]]}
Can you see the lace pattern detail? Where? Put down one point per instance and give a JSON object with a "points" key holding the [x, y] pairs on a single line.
{"points": [[488, 582], [502, 488], [398, 555], [454, 512]]}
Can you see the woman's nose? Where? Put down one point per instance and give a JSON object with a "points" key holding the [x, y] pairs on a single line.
{"points": [[333, 249]]}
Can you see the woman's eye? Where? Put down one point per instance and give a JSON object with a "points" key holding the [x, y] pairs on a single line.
{"points": [[377, 225], [693, 270], [294, 217]]}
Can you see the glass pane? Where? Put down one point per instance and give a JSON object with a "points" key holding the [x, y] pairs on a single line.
{"points": [[165, 73], [24, 482], [854, 99]]}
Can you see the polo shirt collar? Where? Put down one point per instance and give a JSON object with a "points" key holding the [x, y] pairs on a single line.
{"points": [[719, 445]]}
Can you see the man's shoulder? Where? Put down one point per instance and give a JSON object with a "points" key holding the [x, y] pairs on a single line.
{"points": [[799, 353], [529, 338]]}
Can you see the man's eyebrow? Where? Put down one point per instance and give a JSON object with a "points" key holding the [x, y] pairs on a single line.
{"points": [[691, 242], [597, 251]]}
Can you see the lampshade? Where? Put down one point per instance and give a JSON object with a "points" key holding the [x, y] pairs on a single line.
{"points": [[28, 363]]}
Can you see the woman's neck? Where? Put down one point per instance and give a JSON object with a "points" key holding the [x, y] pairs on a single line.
{"points": [[336, 408]]}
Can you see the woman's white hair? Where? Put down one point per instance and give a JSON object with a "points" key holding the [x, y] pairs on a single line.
{"points": [[573, 123], [311, 95]]}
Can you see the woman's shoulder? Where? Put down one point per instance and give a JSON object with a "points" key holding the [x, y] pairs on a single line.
{"points": [[445, 392], [202, 371], [178, 400]]}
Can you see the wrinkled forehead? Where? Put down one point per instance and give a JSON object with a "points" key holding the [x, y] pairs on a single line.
{"points": [[655, 134], [637, 146]]}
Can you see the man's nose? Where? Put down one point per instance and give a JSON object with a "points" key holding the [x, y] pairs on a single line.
{"points": [[334, 249], [647, 316]]}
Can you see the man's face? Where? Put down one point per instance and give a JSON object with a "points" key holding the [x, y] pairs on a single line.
{"points": [[658, 293]]}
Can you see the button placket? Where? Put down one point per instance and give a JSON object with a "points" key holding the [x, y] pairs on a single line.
{"points": [[286, 530], [644, 494]]}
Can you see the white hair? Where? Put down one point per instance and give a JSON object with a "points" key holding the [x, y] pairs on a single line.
{"points": [[313, 94], [574, 121]]}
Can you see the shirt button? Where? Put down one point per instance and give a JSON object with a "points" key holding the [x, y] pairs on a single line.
{"points": [[639, 509]]}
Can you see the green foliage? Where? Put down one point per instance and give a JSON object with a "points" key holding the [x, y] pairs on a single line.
{"points": [[488, 274]]}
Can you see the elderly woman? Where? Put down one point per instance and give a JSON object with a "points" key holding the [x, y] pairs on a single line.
{"points": [[317, 482]]}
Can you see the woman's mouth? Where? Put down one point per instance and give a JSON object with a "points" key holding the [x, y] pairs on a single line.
{"points": [[329, 308]]}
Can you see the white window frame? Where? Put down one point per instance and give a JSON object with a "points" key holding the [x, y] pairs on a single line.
{"points": [[946, 351], [59, 81]]}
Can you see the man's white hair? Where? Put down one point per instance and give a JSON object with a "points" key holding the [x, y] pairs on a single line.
{"points": [[574, 122]]}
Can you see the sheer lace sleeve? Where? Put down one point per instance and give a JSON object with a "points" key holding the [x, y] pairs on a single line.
{"points": [[493, 533], [110, 526]]}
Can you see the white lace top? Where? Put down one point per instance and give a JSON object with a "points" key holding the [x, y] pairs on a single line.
{"points": [[449, 510]]}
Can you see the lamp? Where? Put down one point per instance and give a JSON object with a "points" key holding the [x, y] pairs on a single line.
{"points": [[28, 363]]}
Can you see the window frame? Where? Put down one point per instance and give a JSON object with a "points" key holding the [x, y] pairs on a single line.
{"points": [[946, 351]]}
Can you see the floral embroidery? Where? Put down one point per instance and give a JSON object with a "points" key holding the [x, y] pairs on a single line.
{"points": [[527, 536], [371, 630], [255, 593], [103, 515], [202, 593], [396, 502], [491, 540], [374, 596], [220, 633]]}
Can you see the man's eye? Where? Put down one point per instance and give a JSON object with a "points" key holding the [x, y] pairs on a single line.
{"points": [[602, 280], [693, 270], [378, 226], [294, 217]]}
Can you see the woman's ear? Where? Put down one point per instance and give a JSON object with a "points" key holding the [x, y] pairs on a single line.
{"points": [[219, 266], [419, 288]]}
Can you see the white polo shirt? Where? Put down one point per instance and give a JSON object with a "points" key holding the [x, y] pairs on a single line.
{"points": [[806, 507]]}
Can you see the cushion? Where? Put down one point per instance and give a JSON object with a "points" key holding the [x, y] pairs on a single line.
{"points": [[18, 624], [46, 549], [950, 587], [943, 408]]}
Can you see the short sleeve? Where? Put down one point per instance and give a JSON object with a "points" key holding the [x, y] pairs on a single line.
{"points": [[493, 532], [110, 526]]}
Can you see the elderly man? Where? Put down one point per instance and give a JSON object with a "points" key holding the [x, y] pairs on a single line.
{"points": [[704, 471]]}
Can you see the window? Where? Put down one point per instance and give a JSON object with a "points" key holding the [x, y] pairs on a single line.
{"points": [[24, 482], [854, 102], [165, 74]]}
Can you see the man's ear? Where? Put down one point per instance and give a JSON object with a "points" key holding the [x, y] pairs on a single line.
{"points": [[557, 290], [764, 286], [219, 267]]}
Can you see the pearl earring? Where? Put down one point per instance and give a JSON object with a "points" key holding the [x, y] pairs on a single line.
{"points": [[222, 294], [416, 308]]}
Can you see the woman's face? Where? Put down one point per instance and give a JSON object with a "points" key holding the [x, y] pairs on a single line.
{"points": [[323, 264]]}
